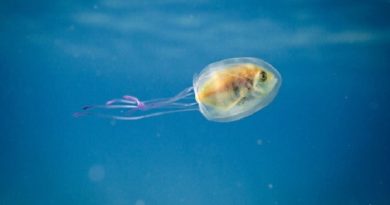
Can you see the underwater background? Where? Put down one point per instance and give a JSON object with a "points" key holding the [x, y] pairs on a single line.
{"points": [[323, 140]]}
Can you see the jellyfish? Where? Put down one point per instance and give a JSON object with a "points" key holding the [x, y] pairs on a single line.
{"points": [[223, 91]]}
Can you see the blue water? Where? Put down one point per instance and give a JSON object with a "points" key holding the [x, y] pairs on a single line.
{"points": [[324, 140]]}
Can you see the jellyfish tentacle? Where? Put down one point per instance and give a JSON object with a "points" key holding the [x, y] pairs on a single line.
{"points": [[114, 101], [185, 104], [90, 107], [166, 101], [137, 109], [79, 114], [139, 103], [173, 106], [131, 98], [87, 109], [138, 117], [185, 94]]}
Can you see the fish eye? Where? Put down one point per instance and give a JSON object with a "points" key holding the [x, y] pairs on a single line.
{"points": [[263, 76]]}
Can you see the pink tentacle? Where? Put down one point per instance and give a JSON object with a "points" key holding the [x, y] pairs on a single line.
{"points": [[113, 101], [129, 97], [90, 107], [140, 104]]}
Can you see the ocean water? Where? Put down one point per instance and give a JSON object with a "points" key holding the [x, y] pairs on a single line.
{"points": [[323, 140]]}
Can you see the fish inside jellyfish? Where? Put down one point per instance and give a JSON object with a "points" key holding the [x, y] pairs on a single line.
{"points": [[223, 91]]}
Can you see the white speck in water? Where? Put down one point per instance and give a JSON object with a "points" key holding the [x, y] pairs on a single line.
{"points": [[259, 142], [139, 202], [96, 173], [270, 186]]}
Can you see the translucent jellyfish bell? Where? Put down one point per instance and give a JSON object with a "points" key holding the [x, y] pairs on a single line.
{"points": [[224, 91], [234, 88]]}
